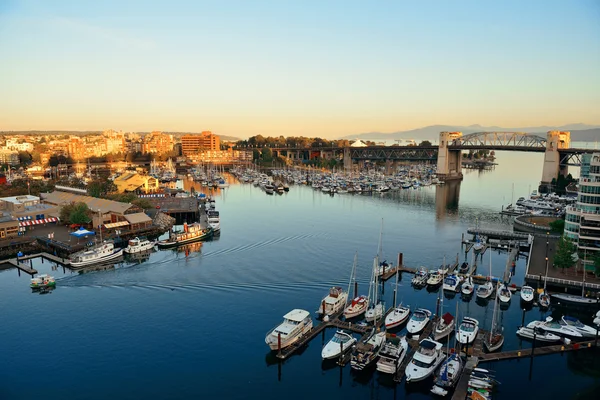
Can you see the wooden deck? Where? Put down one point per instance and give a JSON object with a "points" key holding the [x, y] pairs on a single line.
{"points": [[462, 387], [22, 266], [538, 351]]}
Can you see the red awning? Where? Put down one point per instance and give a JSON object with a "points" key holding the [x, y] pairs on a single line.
{"points": [[38, 221]]}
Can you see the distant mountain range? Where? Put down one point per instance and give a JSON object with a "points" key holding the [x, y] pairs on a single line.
{"points": [[579, 132]]}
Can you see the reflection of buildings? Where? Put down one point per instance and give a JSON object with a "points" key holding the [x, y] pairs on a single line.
{"points": [[446, 199]]}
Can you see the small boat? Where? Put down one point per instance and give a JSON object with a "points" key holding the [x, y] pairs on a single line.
{"points": [[527, 294], [418, 321], [357, 307], [397, 317], [375, 312], [333, 302], [555, 327], [449, 373], [365, 353], [574, 323], [191, 233], [485, 291], [444, 326], [420, 278], [597, 318], [504, 294], [138, 245], [464, 268], [542, 336], [104, 251], [425, 361], [295, 324], [42, 281], [467, 288], [392, 354], [544, 300], [338, 345], [574, 299], [435, 278], [214, 220], [495, 339], [467, 330], [451, 283]]}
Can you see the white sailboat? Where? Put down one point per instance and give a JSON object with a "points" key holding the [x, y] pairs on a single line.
{"points": [[485, 291], [359, 304], [504, 294], [495, 339], [377, 309], [445, 323], [398, 315]]}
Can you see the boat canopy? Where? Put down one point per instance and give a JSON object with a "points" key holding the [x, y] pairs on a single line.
{"points": [[296, 315]]}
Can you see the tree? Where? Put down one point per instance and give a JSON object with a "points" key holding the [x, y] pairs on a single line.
{"points": [[425, 143], [80, 214], [563, 258], [558, 226], [267, 155], [255, 155]]}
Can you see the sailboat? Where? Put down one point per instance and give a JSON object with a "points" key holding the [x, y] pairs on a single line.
{"points": [[445, 322], [574, 299], [484, 291], [449, 373], [376, 311], [495, 339], [399, 314], [359, 304], [543, 297]]}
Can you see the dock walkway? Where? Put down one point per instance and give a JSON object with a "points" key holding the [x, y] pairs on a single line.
{"points": [[460, 393]]}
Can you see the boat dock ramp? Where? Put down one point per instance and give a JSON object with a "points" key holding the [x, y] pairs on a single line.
{"points": [[22, 265]]}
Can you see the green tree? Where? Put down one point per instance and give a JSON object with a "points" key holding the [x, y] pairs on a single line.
{"points": [[80, 214], [255, 155], [558, 226], [425, 143], [563, 258], [267, 155]]}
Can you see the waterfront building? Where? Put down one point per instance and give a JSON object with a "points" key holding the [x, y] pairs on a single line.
{"points": [[9, 227], [582, 222], [134, 182], [157, 143], [193, 144]]}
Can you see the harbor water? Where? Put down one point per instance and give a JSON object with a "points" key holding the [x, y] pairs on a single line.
{"points": [[191, 323]]}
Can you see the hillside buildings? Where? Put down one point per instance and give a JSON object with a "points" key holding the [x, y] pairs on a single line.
{"points": [[193, 144]]}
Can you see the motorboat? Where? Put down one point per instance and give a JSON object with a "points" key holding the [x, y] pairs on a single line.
{"points": [[452, 283], [544, 299], [449, 373], [397, 317], [332, 303], [418, 321], [365, 353], [550, 325], [504, 294], [104, 251], [527, 294], [338, 345], [467, 288], [42, 281], [574, 299], [357, 307], [597, 319], [214, 220], [444, 326], [467, 330], [574, 323], [295, 324], [392, 354], [435, 278], [485, 291], [542, 336], [191, 233], [425, 360], [464, 268], [420, 278], [138, 245]]}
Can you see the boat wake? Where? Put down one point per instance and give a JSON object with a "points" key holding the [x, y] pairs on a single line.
{"points": [[265, 243]]}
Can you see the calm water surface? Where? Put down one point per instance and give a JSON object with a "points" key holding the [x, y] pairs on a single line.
{"points": [[192, 324]]}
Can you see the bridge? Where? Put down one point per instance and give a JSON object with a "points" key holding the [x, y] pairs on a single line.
{"points": [[558, 154]]}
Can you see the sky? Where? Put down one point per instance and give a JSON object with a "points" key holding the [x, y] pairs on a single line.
{"points": [[312, 68]]}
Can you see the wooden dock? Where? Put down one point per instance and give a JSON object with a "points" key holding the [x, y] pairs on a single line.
{"points": [[538, 351], [47, 256], [21, 266], [460, 393]]}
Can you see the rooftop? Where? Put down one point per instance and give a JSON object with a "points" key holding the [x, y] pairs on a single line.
{"points": [[20, 199], [61, 198]]}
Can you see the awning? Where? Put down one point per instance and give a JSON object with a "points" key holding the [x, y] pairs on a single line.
{"points": [[38, 221], [116, 224]]}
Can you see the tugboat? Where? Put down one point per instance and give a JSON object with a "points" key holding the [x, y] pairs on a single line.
{"points": [[191, 233]]}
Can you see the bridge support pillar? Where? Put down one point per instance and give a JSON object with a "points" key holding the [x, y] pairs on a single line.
{"points": [[347, 160], [556, 140], [449, 164], [389, 166]]}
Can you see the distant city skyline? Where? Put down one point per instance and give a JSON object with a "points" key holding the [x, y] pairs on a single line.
{"points": [[328, 69]]}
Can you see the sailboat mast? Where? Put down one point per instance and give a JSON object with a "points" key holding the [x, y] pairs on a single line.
{"points": [[352, 275], [494, 316]]}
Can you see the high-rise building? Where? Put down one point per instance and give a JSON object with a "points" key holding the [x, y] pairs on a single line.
{"points": [[114, 142], [158, 143], [582, 223], [193, 144]]}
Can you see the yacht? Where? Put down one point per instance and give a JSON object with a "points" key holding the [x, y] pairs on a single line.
{"points": [[444, 326], [397, 317], [425, 361], [357, 307], [137, 245], [451, 283], [542, 336], [420, 278], [191, 233], [527, 294], [98, 253], [295, 324], [42, 281], [485, 291], [504, 294], [335, 301], [435, 278], [418, 321], [555, 327], [467, 330], [375, 312], [574, 323], [214, 220], [467, 288], [365, 353], [392, 354], [339, 343]]}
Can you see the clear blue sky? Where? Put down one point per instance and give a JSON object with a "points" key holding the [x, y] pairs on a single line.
{"points": [[327, 68]]}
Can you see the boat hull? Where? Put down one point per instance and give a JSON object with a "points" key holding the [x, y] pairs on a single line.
{"points": [[116, 254], [170, 244]]}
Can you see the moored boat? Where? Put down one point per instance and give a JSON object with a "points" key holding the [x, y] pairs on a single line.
{"points": [[365, 353], [467, 288], [574, 323], [295, 324], [467, 330], [338, 345], [552, 326], [527, 294], [543, 336], [418, 321], [392, 354], [425, 360], [333, 302], [191, 233], [444, 326], [397, 316], [104, 251], [138, 245]]}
